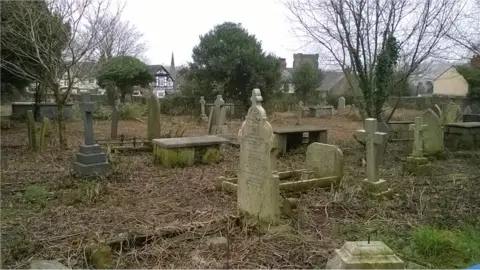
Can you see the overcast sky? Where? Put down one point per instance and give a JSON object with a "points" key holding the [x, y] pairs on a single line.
{"points": [[175, 25]]}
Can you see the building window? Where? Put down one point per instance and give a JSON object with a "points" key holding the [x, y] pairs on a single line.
{"points": [[91, 80], [65, 82]]}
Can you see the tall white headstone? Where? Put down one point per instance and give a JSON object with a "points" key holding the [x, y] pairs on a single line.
{"points": [[432, 134], [341, 104], [258, 193]]}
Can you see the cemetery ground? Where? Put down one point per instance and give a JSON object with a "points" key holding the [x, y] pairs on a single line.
{"points": [[145, 216]]}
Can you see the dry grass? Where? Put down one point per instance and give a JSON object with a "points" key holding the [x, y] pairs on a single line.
{"points": [[140, 199]]}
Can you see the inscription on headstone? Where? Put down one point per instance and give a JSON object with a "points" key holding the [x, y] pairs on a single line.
{"points": [[258, 189]]}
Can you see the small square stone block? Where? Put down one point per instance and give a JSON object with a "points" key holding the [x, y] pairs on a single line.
{"points": [[365, 255]]}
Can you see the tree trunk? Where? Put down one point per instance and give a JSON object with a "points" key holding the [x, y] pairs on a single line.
{"points": [[38, 100], [122, 97], [61, 127]]}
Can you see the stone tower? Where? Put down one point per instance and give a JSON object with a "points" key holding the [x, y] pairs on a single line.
{"points": [[299, 58]]}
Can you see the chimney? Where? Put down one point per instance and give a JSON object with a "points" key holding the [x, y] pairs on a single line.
{"points": [[283, 63], [475, 61]]}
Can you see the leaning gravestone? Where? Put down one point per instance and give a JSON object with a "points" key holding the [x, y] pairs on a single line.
{"points": [[258, 193], [90, 159], [217, 118], [432, 133], [325, 160]]}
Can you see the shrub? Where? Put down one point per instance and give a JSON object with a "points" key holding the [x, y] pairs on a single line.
{"points": [[131, 111], [101, 112]]}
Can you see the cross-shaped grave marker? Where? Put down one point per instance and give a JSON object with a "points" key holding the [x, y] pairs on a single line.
{"points": [[87, 107], [372, 139], [417, 128]]}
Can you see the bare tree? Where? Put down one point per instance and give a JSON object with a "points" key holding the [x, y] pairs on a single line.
{"points": [[466, 32], [362, 36], [68, 56], [122, 38]]}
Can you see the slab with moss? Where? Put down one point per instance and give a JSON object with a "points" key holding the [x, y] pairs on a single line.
{"points": [[187, 151]]}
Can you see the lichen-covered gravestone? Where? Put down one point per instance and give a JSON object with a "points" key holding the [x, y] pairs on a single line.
{"points": [[365, 255], [416, 163], [432, 134], [154, 127], [452, 113], [217, 118], [373, 139], [258, 193], [325, 160], [203, 116], [90, 159]]}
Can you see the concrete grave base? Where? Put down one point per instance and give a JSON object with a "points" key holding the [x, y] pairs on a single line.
{"points": [[418, 166], [90, 160], [365, 255]]}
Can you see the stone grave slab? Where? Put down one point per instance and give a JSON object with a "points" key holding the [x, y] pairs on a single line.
{"points": [[291, 137], [217, 117], [462, 136], [187, 151], [451, 114], [47, 264], [341, 104], [321, 111], [471, 118], [364, 255]]}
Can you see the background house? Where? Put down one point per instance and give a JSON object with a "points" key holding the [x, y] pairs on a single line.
{"points": [[438, 78], [165, 78]]}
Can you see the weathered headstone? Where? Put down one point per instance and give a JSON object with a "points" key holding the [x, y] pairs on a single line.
{"points": [[365, 255], [115, 119], [217, 118], [341, 104], [373, 139], [300, 110], [432, 134], [475, 109], [467, 110], [325, 160], [452, 113], [90, 159], [203, 116], [417, 163], [258, 192], [154, 127]]}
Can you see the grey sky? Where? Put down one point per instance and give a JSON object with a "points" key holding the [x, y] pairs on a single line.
{"points": [[175, 25]]}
